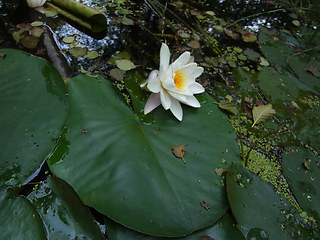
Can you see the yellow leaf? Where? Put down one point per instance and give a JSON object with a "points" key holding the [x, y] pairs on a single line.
{"points": [[262, 113]]}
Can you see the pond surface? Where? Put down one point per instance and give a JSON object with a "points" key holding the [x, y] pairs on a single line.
{"points": [[255, 53]]}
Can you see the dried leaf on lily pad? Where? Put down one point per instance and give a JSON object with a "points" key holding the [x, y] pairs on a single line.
{"points": [[264, 62], [229, 106], [262, 113], [2, 54], [179, 151], [125, 64], [205, 205], [194, 44], [219, 171]]}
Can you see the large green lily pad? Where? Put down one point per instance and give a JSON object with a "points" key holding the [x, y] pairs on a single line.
{"points": [[294, 99], [19, 219], [301, 168], [223, 229], [260, 212], [125, 168], [63, 213], [33, 111]]}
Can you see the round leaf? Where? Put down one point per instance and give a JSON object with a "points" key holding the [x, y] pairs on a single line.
{"points": [[19, 220], [223, 229], [259, 210], [33, 111], [125, 167], [63, 213], [302, 170]]}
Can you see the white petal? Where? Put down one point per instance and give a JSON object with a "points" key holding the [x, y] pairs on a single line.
{"points": [[154, 84], [196, 88], [165, 99], [152, 103], [189, 69], [164, 60], [176, 109], [181, 61], [167, 81], [153, 74], [192, 101], [179, 97], [142, 85], [197, 72]]}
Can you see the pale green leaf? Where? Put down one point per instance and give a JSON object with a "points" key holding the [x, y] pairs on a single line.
{"points": [[262, 113], [229, 106], [127, 21], [36, 23], [78, 51], [92, 54], [117, 74], [125, 64]]}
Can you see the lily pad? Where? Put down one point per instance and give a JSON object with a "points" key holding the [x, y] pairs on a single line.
{"points": [[33, 111], [19, 219], [301, 169], [223, 229], [63, 213], [274, 50], [260, 211], [286, 92], [134, 177]]}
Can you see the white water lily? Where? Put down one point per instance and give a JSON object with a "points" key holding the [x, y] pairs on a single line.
{"points": [[36, 3], [173, 84]]}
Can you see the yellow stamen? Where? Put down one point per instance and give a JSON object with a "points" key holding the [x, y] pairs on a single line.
{"points": [[179, 79]]}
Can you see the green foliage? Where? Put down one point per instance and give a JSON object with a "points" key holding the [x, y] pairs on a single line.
{"points": [[122, 163], [120, 160], [292, 88], [272, 216], [224, 228], [301, 168], [19, 219], [62, 212], [33, 111]]}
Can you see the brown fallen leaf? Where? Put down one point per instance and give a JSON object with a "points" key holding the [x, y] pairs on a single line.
{"points": [[205, 205], [231, 33], [219, 171], [249, 37], [2, 54], [194, 44], [179, 151]]}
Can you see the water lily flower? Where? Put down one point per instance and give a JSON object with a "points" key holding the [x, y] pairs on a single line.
{"points": [[173, 83], [36, 3]]}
